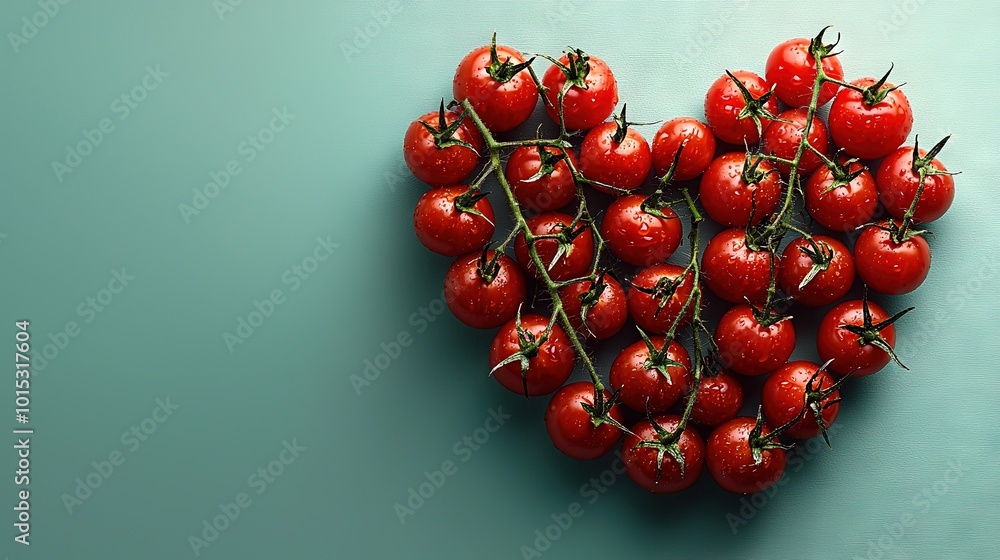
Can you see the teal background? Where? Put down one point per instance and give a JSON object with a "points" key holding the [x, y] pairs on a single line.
{"points": [[335, 172]]}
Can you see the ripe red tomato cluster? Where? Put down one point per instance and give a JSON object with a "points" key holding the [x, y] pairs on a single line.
{"points": [[760, 143]]}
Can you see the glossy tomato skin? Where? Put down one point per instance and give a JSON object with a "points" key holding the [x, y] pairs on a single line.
{"points": [[723, 104], [640, 462], [637, 384], [623, 165], [842, 346], [719, 399], [731, 201], [582, 108], [698, 142], [575, 263], [782, 139], [571, 428], [870, 132], [479, 304], [549, 192], [448, 231], [889, 267], [605, 317], [828, 285], [734, 271], [845, 207], [730, 460], [784, 394], [638, 237], [644, 307], [441, 167], [501, 105], [547, 370], [749, 348], [897, 185], [792, 69]]}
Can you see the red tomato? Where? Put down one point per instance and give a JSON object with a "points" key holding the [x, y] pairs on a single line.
{"points": [[662, 474], [734, 190], [889, 267], [850, 350], [831, 258], [606, 308], [870, 130], [724, 104], [615, 155], [698, 142], [541, 180], [448, 230], [785, 392], [897, 185], [643, 378], [571, 426], [750, 348], [592, 96], [484, 293], [576, 259], [730, 458], [719, 399], [437, 159], [734, 271], [782, 139], [549, 365], [637, 236], [791, 67], [658, 295], [497, 83], [846, 206]]}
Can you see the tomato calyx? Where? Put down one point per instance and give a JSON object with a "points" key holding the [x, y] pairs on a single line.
{"points": [[870, 334], [600, 411], [662, 291], [821, 50], [752, 173], [656, 202], [658, 360], [666, 443], [875, 93], [547, 164], [622, 124], [528, 345], [589, 299], [821, 255], [840, 168], [504, 72], [466, 202], [815, 395], [444, 134], [576, 69], [922, 167], [754, 107], [759, 443], [488, 267]]}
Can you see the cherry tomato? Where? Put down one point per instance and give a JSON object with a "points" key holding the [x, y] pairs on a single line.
{"points": [[658, 295], [607, 310], [724, 102], [730, 199], [548, 367], [576, 259], [641, 380], [698, 142], [447, 165], [870, 131], [553, 189], [484, 294], [734, 271], [845, 207], [638, 237], [782, 139], [719, 399], [616, 156], [592, 97], [667, 477], [791, 67], [447, 230], [750, 348], [897, 185], [889, 267], [498, 85], [784, 395], [572, 428], [827, 255], [730, 458], [848, 351]]}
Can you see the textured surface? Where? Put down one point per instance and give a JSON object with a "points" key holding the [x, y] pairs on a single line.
{"points": [[890, 488]]}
